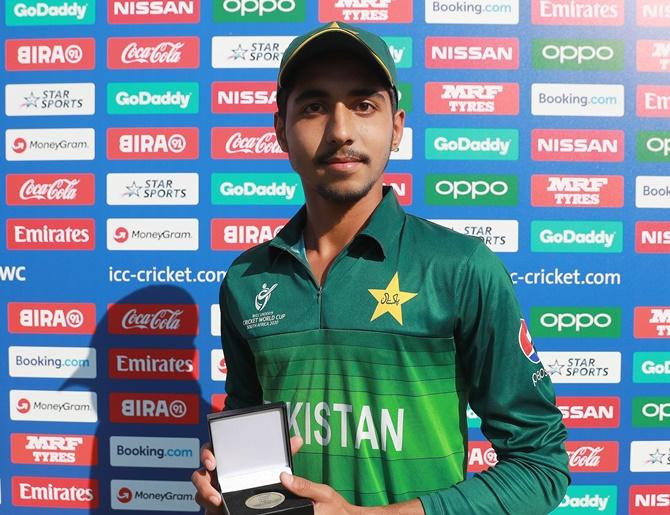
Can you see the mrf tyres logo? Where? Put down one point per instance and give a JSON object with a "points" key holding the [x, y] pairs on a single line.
{"points": [[582, 367], [472, 98], [154, 408], [652, 322], [577, 190], [576, 236], [161, 496], [362, 11], [54, 449], [484, 190], [259, 11], [576, 322], [653, 55]]}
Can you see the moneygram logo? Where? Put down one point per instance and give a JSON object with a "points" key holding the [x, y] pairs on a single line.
{"points": [[219, 369], [472, 144], [502, 12], [576, 236], [152, 98], [653, 55], [366, 11], [472, 53], [153, 143], [55, 492], [173, 364], [481, 456], [577, 190], [652, 322], [158, 319], [53, 406], [593, 499], [50, 189], [256, 188], [50, 12], [576, 322], [577, 12], [498, 235], [652, 237], [244, 97], [50, 234], [154, 408], [402, 186], [50, 144], [590, 412], [51, 317], [255, 11], [50, 54], [593, 456], [137, 451], [653, 101], [577, 145], [54, 449], [153, 53], [243, 233], [582, 367], [651, 412], [162, 496], [152, 234], [245, 143], [578, 54], [653, 146], [472, 98], [485, 190], [650, 456], [648, 499], [56, 99], [130, 189], [154, 11], [248, 51], [65, 362], [651, 367], [653, 13], [577, 99]]}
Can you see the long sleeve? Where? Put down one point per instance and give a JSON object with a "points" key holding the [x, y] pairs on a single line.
{"points": [[242, 384], [510, 391]]}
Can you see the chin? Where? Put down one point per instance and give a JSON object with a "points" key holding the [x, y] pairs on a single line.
{"points": [[344, 195]]}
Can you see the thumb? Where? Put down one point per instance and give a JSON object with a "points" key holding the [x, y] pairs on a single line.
{"points": [[305, 488]]}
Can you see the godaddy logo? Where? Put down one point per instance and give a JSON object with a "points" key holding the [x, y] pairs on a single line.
{"points": [[50, 12], [576, 236], [259, 10], [651, 367], [576, 322]]}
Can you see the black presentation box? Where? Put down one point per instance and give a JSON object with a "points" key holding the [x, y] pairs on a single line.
{"points": [[252, 447]]}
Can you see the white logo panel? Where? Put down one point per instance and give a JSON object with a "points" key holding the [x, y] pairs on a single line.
{"points": [[58, 99], [137, 451], [50, 144], [159, 496], [152, 234], [65, 362], [499, 235], [152, 189], [582, 367], [53, 406], [577, 99], [652, 191]]}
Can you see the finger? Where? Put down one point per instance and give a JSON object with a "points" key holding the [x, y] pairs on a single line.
{"points": [[207, 456], [206, 493], [305, 488], [296, 443]]}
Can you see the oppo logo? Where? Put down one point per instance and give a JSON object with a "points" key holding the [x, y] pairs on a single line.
{"points": [[576, 321], [580, 54], [656, 411], [659, 145], [471, 189], [258, 6]]}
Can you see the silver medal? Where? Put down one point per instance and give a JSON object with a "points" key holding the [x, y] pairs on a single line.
{"points": [[265, 500]]}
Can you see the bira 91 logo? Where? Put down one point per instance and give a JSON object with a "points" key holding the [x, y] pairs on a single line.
{"points": [[593, 456], [50, 234], [577, 145], [652, 237], [51, 317], [577, 190], [42, 449], [243, 233], [653, 55], [652, 322], [362, 11], [577, 12], [74, 189], [172, 364], [159, 319], [153, 53], [402, 186], [653, 101], [154, 11], [244, 97], [472, 53], [55, 492], [472, 98], [245, 143], [653, 13], [50, 54], [649, 499], [154, 408], [590, 412], [481, 456], [152, 143]]}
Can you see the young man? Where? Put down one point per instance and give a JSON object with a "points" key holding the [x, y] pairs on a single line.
{"points": [[378, 327]]}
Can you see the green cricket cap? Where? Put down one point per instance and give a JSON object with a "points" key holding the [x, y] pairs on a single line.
{"points": [[337, 36]]}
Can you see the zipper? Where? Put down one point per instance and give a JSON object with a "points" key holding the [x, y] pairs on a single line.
{"points": [[319, 294]]}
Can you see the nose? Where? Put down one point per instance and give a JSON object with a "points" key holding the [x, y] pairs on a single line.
{"points": [[340, 130]]}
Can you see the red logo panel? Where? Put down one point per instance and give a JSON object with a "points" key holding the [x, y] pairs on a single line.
{"points": [[55, 492], [472, 98], [653, 13], [653, 101], [593, 456], [652, 322], [153, 143], [653, 55], [402, 186], [244, 97], [245, 143], [175, 364], [72, 189], [51, 317], [50, 54], [577, 190], [161, 319], [218, 402], [243, 233], [44, 449], [156, 11], [590, 412], [153, 53], [652, 237], [577, 12], [377, 11], [472, 53], [154, 408], [649, 500], [50, 234], [481, 456], [577, 145]]}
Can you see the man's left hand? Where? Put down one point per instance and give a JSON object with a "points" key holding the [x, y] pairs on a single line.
{"points": [[326, 500]]}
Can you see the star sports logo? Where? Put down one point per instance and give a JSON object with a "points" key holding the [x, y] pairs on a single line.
{"points": [[263, 296]]}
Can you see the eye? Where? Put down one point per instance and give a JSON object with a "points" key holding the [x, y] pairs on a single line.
{"points": [[313, 107], [365, 106]]}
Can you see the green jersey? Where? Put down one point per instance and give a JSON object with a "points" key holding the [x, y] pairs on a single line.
{"points": [[378, 364]]}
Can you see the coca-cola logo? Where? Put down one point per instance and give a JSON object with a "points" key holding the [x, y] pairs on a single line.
{"points": [[60, 189], [164, 319], [164, 52], [263, 144], [585, 456]]}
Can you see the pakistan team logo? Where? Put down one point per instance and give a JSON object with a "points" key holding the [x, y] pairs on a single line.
{"points": [[263, 296], [390, 300]]}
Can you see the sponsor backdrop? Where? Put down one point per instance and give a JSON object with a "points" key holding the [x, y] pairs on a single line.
{"points": [[139, 160]]}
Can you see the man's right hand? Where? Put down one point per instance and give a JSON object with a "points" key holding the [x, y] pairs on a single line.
{"points": [[208, 495]]}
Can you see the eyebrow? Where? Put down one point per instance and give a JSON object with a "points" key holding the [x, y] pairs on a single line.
{"points": [[319, 93]]}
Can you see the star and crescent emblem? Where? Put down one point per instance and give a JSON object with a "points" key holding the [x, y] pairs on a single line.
{"points": [[390, 300]]}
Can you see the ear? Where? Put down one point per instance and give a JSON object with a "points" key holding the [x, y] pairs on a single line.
{"points": [[280, 131], [398, 126]]}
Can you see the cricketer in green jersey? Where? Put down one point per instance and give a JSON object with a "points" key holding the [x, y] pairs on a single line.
{"points": [[377, 327]]}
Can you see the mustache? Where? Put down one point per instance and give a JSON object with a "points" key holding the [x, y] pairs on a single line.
{"points": [[338, 154]]}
